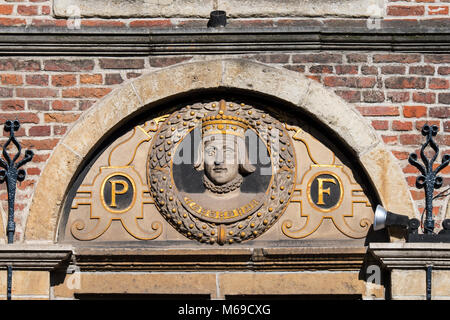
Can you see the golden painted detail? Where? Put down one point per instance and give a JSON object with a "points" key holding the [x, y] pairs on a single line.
{"points": [[351, 223], [229, 119], [115, 191], [101, 216], [323, 191], [221, 215]]}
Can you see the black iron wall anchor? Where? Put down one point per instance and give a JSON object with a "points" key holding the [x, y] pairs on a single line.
{"points": [[11, 174], [429, 180]]}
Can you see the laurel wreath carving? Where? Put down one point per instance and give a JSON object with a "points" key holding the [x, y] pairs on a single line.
{"points": [[165, 193]]}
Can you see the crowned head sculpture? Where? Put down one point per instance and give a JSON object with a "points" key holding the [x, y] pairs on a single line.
{"points": [[222, 153]]}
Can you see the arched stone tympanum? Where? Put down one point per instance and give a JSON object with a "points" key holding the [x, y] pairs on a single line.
{"points": [[309, 96]]}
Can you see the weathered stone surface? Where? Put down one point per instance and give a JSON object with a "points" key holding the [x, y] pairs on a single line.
{"points": [[290, 283], [329, 109], [389, 181], [31, 283], [180, 78], [408, 283], [140, 8], [281, 83], [234, 8], [138, 283]]}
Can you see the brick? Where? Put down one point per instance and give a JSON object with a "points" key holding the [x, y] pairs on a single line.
{"points": [[438, 10], [398, 125], [115, 78], [380, 124], [369, 70], [46, 10], [36, 92], [396, 58], [351, 82], [420, 123], [37, 79], [373, 96], [49, 23], [346, 69], [422, 70], [19, 65], [59, 130], [85, 104], [398, 96], [25, 10], [414, 111], [91, 79], [6, 92], [39, 105], [64, 105], [424, 97], [317, 58], [447, 126], [400, 155], [444, 71], [64, 65], [389, 139], [66, 80], [321, 69], [133, 75], [121, 63], [437, 83], [101, 23], [150, 23], [41, 144], [444, 98], [437, 58], [61, 117], [85, 92], [12, 22], [393, 70], [379, 110], [406, 10], [11, 79], [349, 95], [23, 117], [12, 105], [33, 171], [295, 67], [6, 9], [410, 139], [356, 57], [405, 83], [39, 131], [440, 112]]}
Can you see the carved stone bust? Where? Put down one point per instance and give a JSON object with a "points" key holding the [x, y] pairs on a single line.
{"points": [[236, 201]]}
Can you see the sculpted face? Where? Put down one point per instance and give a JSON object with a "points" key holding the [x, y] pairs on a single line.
{"points": [[221, 160]]}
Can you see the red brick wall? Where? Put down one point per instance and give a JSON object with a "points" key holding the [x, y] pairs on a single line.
{"points": [[396, 92]]}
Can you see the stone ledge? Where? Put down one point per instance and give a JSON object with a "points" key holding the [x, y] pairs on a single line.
{"points": [[400, 255], [202, 9], [34, 257], [252, 259]]}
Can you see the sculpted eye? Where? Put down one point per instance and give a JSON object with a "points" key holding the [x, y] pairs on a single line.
{"points": [[210, 151]]}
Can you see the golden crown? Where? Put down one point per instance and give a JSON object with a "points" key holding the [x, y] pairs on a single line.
{"points": [[224, 124]]}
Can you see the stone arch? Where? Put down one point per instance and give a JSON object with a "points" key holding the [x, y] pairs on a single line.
{"points": [[309, 96]]}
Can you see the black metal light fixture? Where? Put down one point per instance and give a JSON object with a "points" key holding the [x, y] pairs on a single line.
{"points": [[218, 18], [11, 174]]}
